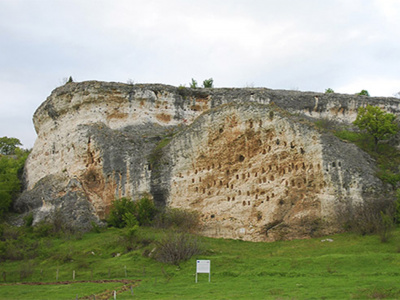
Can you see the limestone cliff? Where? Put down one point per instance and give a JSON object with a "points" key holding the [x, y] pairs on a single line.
{"points": [[249, 160]]}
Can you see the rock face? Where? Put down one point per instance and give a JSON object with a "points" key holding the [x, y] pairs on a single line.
{"points": [[251, 161]]}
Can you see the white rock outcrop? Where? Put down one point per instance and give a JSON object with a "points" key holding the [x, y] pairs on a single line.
{"points": [[251, 161]]}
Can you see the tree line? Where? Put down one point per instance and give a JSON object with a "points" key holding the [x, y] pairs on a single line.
{"points": [[12, 161]]}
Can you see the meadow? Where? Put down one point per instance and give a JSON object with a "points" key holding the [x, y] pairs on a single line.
{"points": [[343, 266]]}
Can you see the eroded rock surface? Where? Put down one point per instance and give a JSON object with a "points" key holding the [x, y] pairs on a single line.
{"points": [[251, 161], [257, 174]]}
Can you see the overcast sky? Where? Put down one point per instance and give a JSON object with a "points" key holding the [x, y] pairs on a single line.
{"points": [[307, 45]]}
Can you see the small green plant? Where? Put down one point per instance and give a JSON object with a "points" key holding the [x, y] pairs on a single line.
{"points": [[130, 220], [329, 91], [145, 211], [193, 84], [363, 93], [387, 226], [208, 83], [120, 208], [28, 220], [96, 228], [397, 206], [271, 115], [129, 235], [43, 229]]}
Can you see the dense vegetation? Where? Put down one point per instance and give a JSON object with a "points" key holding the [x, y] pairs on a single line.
{"points": [[12, 160]]}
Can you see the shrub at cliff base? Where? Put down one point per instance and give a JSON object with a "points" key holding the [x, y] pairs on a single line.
{"points": [[177, 247], [143, 210], [178, 219]]}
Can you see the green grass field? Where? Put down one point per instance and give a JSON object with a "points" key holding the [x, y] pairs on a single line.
{"points": [[349, 267]]}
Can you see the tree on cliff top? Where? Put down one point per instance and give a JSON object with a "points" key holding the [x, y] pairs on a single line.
{"points": [[208, 83], [363, 93], [8, 145], [377, 123]]}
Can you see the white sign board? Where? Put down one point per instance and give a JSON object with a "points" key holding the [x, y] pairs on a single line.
{"points": [[203, 266]]}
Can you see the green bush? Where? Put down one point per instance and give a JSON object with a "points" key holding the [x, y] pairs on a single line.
{"points": [[387, 226], [329, 91], [193, 84], [145, 211], [124, 211], [96, 228], [208, 83], [129, 237], [28, 220], [363, 93], [43, 229], [120, 207]]}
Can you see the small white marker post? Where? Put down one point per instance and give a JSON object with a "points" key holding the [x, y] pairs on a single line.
{"points": [[203, 266]]}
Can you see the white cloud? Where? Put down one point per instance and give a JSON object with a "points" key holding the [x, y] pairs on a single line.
{"points": [[385, 87], [309, 45]]}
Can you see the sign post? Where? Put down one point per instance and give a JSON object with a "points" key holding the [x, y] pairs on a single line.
{"points": [[203, 266]]}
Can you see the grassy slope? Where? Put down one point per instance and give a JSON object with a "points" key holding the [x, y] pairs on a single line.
{"points": [[349, 267]]}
